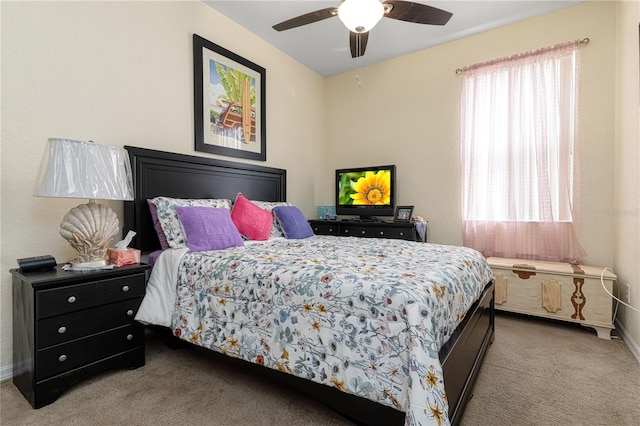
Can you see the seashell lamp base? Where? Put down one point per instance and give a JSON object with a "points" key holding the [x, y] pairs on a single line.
{"points": [[88, 228]]}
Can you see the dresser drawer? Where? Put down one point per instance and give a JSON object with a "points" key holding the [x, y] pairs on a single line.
{"points": [[325, 229], [63, 328], [397, 233], [357, 231], [81, 296], [60, 358]]}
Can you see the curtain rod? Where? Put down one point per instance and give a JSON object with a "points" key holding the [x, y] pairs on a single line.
{"points": [[582, 42]]}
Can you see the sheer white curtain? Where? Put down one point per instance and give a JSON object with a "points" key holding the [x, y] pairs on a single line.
{"points": [[520, 155]]}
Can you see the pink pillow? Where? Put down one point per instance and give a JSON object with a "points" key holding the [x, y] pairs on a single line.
{"points": [[208, 228], [164, 244], [252, 221]]}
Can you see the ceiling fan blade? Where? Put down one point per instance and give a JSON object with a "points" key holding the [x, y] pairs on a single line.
{"points": [[358, 43], [417, 13], [307, 18]]}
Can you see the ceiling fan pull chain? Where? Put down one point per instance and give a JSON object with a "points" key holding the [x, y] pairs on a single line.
{"points": [[358, 46]]}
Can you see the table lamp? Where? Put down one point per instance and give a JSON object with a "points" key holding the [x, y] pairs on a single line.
{"points": [[80, 169]]}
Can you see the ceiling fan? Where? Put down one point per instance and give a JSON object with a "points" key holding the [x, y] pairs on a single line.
{"points": [[360, 16]]}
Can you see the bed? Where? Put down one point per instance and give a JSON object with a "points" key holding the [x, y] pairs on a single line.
{"points": [[361, 346]]}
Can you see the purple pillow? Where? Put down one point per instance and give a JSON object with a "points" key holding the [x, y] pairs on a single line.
{"points": [[293, 223], [164, 244], [208, 228]]}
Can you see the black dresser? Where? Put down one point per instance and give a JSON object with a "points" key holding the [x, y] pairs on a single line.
{"points": [[68, 326], [345, 228]]}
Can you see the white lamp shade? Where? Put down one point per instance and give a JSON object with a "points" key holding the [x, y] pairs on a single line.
{"points": [[79, 169], [360, 16]]}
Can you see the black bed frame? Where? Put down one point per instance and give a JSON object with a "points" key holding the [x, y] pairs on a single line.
{"points": [[159, 173]]}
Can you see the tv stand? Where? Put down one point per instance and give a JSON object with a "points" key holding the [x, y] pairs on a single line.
{"points": [[368, 229]]}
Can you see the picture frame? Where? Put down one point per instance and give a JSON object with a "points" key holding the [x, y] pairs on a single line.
{"points": [[403, 214], [224, 85]]}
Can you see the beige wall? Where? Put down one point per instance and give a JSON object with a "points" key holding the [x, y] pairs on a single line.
{"points": [[120, 73], [626, 217], [406, 111]]}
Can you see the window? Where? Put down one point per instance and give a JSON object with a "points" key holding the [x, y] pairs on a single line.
{"points": [[520, 155]]}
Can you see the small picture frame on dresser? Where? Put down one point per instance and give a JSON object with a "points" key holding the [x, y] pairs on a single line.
{"points": [[403, 214]]}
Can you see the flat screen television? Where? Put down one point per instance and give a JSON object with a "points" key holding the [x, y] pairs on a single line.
{"points": [[366, 192]]}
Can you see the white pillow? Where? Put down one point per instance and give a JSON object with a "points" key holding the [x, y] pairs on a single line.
{"points": [[169, 222], [276, 229]]}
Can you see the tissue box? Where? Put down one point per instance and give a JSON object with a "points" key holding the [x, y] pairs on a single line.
{"points": [[123, 257]]}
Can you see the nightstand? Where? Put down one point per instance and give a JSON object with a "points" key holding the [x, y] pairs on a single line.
{"points": [[68, 326]]}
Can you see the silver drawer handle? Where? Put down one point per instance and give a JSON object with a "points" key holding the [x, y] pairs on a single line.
{"points": [[381, 232], [363, 232], [401, 233], [330, 229], [125, 288], [129, 336], [62, 358], [62, 330], [130, 312], [71, 299]]}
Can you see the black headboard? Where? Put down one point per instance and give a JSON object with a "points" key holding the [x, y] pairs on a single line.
{"points": [[157, 173]]}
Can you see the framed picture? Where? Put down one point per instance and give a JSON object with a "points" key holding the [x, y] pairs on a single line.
{"points": [[229, 100], [403, 214]]}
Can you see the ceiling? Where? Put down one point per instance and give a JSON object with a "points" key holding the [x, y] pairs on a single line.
{"points": [[324, 46]]}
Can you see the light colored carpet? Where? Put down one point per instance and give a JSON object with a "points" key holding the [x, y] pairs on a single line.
{"points": [[536, 373]]}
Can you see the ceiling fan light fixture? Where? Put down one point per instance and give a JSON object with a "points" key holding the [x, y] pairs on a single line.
{"points": [[360, 16]]}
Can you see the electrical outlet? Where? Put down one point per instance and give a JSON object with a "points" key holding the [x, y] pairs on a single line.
{"points": [[627, 293]]}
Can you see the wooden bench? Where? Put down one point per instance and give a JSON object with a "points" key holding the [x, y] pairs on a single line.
{"points": [[555, 290]]}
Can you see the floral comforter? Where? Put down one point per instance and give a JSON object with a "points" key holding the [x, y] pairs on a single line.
{"points": [[367, 316]]}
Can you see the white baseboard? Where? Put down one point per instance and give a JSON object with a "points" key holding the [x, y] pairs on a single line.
{"points": [[632, 344], [6, 372]]}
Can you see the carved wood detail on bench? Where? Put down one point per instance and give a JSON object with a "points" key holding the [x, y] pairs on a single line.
{"points": [[529, 271], [551, 295], [578, 300], [500, 283]]}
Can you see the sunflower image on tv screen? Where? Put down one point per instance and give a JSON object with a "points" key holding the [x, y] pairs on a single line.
{"points": [[366, 188]]}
